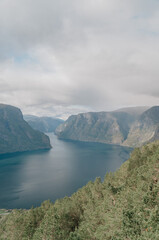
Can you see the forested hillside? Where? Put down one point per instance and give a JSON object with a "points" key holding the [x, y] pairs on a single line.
{"points": [[125, 206]]}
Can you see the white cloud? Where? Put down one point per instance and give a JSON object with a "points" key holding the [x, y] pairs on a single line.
{"points": [[60, 57]]}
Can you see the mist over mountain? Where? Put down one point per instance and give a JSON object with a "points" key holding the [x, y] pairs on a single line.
{"points": [[43, 124], [135, 111], [145, 128], [16, 135], [129, 127]]}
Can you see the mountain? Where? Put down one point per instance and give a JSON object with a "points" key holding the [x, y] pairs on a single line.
{"points": [[124, 206], [106, 127], [16, 135], [134, 111], [144, 129], [132, 128], [43, 124]]}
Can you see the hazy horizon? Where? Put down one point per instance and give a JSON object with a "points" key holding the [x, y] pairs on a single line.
{"points": [[65, 57], [137, 110]]}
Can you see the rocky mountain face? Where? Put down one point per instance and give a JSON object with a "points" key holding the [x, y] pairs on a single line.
{"points": [[117, 127], [144, 129], [97, 127], [16, 135], [43, 124]]}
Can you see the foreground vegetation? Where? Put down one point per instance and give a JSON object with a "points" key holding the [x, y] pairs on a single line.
{"points": [[123, 207]]}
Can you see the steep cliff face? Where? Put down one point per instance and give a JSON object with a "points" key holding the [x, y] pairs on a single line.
{"points": [[122, 128], [97, 127], [145, 129], [16, 135]]}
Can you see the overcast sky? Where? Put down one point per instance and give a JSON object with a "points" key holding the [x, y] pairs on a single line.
{"points": [[61, 57]]}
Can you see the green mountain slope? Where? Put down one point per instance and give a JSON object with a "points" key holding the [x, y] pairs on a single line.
{"points": [[16, 135], [43, 124], [123, 207]]}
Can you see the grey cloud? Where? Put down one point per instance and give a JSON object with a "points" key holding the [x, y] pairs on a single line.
{"points": [[78, 54]]}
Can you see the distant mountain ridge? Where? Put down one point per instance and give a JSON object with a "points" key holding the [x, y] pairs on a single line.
{"points": [[135, 111], [16, 135], [43, 124], [129, 128]]}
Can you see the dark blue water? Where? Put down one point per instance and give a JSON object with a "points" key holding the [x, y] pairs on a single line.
{"points": [[28, 179]]}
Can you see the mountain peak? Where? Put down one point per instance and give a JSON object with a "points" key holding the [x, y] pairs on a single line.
{"points": [[16, 135]]}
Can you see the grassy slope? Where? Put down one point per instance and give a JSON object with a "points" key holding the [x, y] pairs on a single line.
{"points": [[125, 206]]}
